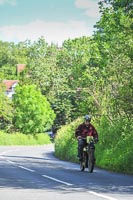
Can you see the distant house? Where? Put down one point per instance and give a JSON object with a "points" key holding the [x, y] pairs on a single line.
{"points": [[11, 84], [20, 68], [10, 87]]}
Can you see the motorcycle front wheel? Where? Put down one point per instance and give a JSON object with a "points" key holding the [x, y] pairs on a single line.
{"points": [[91, 160], [83, 162], [82, 166]]}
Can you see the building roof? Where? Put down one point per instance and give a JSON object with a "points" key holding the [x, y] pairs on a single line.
{"points": [[9, 83], [20, 68]]}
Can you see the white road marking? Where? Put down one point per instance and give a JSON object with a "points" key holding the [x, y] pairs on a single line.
{"points": [[5, 152], [10, 161], [102, 195], [1, 157], [31, 170], [57, 180], [54, 179]]}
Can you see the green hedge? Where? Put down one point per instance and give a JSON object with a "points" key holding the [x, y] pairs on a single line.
{"points": [[113, 151], [115, 145], [23, 139], [65, 143]]}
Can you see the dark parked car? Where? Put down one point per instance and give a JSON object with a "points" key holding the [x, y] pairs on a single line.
{"points": [[51, 135]]}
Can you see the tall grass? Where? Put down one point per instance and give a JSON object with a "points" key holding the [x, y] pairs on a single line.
{"points": [[65, 142], [113, 151], [23, 139]]}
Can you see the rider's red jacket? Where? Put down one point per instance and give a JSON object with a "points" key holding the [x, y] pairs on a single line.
{"points": [[84, 130]]}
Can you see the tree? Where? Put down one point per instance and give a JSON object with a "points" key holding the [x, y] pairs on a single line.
{"points": [[114, 39], [6, 109], [33, 113], [10, 55]]}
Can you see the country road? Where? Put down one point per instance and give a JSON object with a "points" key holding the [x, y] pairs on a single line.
{"points": [[33, 173]]}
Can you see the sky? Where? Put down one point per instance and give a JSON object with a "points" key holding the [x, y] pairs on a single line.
{"points": [[55, 20]]}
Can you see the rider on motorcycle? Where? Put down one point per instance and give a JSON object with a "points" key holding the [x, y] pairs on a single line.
{"points": [[83, 130]]}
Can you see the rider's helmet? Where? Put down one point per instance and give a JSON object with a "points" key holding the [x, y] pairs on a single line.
{"points": [[87, 118]]}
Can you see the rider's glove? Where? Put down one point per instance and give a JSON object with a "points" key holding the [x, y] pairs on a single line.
{"points": [[79, 137], [96, 140]]}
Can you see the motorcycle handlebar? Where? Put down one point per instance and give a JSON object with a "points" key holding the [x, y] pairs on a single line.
{"points": [[88, 139]]}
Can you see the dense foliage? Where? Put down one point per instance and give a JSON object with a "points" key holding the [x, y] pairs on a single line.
{"points": [[33, 113], [6, 109], [112, 152]]}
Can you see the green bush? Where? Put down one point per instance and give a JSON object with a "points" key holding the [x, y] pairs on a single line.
{"points": [[65, 142], [33, 112], [23, 139], [113, 151]]}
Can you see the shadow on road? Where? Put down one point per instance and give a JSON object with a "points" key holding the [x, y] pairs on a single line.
{"points": [[12, 175]]}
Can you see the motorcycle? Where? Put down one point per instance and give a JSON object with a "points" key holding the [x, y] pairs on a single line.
{"points": [[88, 160]]}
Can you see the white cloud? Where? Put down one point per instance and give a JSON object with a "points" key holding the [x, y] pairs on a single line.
{"points": [[12, 2], [90, 6], [55, 32]]}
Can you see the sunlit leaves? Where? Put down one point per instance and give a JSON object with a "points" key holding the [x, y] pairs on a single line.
{"points": [[6, 109], [33, 113]]}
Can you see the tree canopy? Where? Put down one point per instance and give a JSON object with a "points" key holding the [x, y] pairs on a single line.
{"points": [[87, 74], [33, 113]]}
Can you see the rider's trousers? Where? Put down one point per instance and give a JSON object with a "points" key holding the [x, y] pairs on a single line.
{"points": [[81, 145]]}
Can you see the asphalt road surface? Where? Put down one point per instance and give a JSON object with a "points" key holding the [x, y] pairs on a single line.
{"points": [[33, 173]]}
